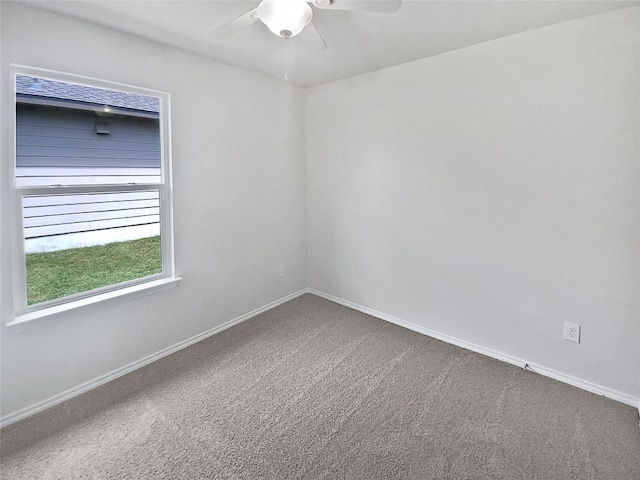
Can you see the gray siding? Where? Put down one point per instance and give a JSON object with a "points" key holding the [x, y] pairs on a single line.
{"points": [[58, 137]]}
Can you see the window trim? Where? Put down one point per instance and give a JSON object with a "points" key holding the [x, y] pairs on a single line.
{"points": [[140, 286], [110, 297]]}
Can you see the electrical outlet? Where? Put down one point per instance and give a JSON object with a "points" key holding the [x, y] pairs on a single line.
{"points": [[572, 332], [282, 270]]}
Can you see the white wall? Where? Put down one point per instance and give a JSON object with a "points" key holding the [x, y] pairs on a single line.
{"points": [[490, 194], [236, 164]]}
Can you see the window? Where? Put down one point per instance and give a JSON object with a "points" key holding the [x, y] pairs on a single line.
{"points": [[92, 192]]}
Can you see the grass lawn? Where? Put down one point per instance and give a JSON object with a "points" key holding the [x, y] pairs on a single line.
{"points": [[65, 272]]}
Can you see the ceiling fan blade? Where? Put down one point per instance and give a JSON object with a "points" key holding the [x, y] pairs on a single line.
{"points": [[313, 41], [227, 29], [381, 6]]}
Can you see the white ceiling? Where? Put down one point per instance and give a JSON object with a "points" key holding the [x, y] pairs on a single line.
{"points": [[358, 42]]}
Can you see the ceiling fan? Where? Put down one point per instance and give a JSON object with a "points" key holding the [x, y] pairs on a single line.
{"points": [[287, 18]]}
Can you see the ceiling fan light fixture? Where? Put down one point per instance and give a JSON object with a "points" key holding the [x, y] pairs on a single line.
{"points": [[285, 18]]}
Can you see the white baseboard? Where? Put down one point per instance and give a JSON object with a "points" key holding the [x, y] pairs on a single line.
{"points": [[101, 380], [85, 387], [547, 372]]}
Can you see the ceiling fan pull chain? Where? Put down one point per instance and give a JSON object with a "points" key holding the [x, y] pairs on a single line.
{"points": [[286, 61]]}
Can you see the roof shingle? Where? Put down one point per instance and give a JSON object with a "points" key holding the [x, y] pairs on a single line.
{"points": [[44, 87]]}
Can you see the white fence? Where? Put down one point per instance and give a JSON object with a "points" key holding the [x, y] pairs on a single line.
{"points": [[57, 222]]}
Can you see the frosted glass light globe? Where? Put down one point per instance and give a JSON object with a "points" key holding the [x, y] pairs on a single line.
{"points": [[285, 18]]}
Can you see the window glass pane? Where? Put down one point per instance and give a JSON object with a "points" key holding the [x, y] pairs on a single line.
{"points": [[80, 242], [80, 152], [69, 134]]}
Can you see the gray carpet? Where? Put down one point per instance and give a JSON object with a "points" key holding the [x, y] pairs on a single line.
{"points": [[313, 390]]}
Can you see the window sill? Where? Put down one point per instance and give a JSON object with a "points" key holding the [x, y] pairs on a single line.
{"points": [[121, 294]]}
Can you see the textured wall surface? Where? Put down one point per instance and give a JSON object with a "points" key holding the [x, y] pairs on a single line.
{"points": [[490, 194], [239, 208]]}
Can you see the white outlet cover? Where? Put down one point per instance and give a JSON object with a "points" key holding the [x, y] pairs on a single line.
{"points": [[572, 332]]}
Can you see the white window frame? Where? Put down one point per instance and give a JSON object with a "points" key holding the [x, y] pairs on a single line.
{"points": [[167, 279]]}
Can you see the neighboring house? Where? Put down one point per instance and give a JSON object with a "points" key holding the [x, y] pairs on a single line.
{"points": [[68, 134]]}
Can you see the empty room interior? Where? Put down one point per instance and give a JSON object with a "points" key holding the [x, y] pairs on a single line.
{"points": [[395, 239]]}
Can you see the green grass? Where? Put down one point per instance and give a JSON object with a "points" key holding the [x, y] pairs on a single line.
{"points": [[53, 275]]}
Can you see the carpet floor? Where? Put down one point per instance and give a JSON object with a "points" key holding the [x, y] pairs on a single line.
{"points": [[314, 390]]}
